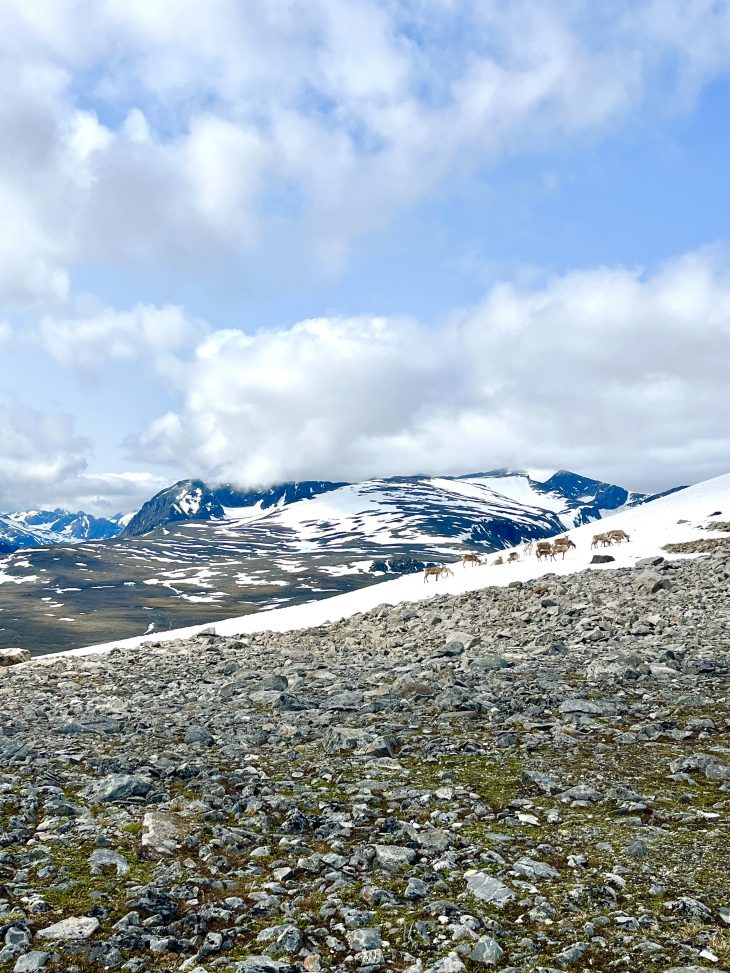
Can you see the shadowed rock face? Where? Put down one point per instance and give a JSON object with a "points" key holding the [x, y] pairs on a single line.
{"points": [[537, 777]]}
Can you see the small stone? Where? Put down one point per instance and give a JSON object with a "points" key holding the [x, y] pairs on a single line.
{"points": [[488, 889], [360, 939], [31, 962], [487, 951], [394, 856], [534, 869], [117, 787], [162, 832], [107, 858], [199, 734]]}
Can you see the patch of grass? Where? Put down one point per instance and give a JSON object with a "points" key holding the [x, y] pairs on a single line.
{"points": [[497, 779]]}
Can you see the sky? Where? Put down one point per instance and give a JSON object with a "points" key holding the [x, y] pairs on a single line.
{"points": [[263, 240]]}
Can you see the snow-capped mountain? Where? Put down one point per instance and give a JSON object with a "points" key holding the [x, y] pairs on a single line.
{"points": [[488, 508], [38, 528], [196, 500]]}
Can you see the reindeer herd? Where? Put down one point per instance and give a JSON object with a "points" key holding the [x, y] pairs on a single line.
{"points": [[541, 549]]}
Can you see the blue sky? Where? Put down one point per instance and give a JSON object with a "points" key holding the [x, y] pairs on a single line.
{"points": [[340, 240]]}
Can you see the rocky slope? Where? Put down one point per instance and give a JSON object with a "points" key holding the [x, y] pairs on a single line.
{"points": [[532, 778]]}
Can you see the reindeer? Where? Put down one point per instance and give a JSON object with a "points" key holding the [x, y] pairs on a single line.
{"points": [[528, 548], [499, 560], [617, 536], [545, 549], [436, 572], [603, 539], [513, 556], [471, 559], [562, 544]]}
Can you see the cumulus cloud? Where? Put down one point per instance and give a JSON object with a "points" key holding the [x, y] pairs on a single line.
{"points": [[158, 334], [608, 370], [205, 131], [44, 463]]}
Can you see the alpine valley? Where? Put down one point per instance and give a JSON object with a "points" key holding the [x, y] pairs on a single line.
{"points": [[196, 553]]}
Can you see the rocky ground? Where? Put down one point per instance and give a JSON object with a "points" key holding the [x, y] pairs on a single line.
{"points": [[521, 779]]}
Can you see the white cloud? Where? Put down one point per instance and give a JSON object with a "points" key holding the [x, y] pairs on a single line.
{"points": [[175, 133], [156, 334], [44, 463], [608, 370]]}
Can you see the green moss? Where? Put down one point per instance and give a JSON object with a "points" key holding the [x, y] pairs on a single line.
{"points": [[81, 891], [497, 779]]}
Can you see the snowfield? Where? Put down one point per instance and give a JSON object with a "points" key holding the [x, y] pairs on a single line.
{"points": [[676, 518]]}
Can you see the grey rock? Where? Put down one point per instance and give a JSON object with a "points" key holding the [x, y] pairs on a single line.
{"points": [[14, 656], [103, 858], [162, 832], [117, 787], [489, 889], [32, 962], [580, 706], [535, 869], [360, 939], [199, 734], [394, 856], [487, 951], [73, 928]]}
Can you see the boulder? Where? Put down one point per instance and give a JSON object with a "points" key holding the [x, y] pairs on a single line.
{"points": [[12, 657], [117, 787], [76, 927]]}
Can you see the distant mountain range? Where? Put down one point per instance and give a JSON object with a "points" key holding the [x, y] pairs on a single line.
{"points": [[39, 528], [197, 552], [565, 499], [472, 504]]}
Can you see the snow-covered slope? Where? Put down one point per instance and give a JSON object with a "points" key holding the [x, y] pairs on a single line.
{"points": [[490, 510], [676, 518]]}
